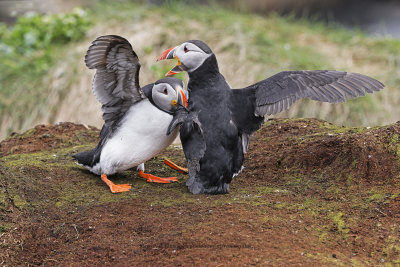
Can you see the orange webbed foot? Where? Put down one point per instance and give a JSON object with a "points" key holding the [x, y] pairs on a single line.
{"points": [[115, 188], [175, 166], [155, 179]]}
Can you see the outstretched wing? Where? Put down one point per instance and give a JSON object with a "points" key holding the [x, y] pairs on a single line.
{"points": [[279, 92], [116, 83]]}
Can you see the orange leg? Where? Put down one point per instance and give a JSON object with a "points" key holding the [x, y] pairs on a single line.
{"points": [[154, 179], [115, 188], [175, 167]]}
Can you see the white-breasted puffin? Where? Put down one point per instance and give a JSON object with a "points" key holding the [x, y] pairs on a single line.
{"points": [[216, 126], [135, 119]]}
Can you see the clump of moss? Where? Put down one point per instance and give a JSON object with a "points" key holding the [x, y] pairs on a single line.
{"points": [[5, 227], [339, 224], [19, 202], [376, 197], [3, 198]]}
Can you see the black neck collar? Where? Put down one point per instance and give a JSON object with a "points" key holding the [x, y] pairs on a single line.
{"points": [[207, 72]]}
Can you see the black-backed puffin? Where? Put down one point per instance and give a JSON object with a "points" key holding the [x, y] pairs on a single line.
{"points": [[135, 119], [218, 122]]}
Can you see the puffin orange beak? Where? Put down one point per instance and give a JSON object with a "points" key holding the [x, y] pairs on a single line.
{"points": [[167, 54], [184, 98], [170, 54]]}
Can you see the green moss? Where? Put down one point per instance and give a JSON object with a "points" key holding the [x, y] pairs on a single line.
{"points": [[394, 139], [39, 159], [5, 227], [28, 133], [19, 202], [327, 259], [357, 263], [394, 196], [75, 187], [349, 179], [376, 197], [354, 163], [334, 189], [322, 232], [88, 189], [297, 182], [3, 199], [339, 224], [47, 160], [323, 236], [311, 204], [391, 249], [283, 205], [395, 145], [270, 220]]}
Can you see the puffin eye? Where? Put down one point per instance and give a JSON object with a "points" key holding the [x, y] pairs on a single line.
{"points": [[165, 91], [185, 49]]}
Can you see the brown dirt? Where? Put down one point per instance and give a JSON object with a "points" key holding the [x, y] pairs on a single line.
{"points": [[48, 137], [311, 194]]}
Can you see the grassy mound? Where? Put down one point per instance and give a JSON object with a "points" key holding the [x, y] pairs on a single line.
{"points": [[311, 193]]}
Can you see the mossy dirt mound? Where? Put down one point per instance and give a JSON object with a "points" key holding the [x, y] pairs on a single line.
{"points": [[318, 148], [311, 193]]}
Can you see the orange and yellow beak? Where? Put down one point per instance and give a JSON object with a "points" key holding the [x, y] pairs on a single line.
{"points": [[170, 54], [182, 98], [167, 54]]}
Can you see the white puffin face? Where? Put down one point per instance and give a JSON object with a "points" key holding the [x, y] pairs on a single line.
{"points": [[165, 97], [191, 56]]}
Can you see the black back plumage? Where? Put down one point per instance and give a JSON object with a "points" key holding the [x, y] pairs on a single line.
{"points": [[210, 139], [216, 128]]}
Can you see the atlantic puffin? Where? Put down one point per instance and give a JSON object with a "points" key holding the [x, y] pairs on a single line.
{"points": [[135, 119], [216, 126]]}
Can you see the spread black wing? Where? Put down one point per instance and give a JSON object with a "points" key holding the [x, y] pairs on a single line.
{"points": [[116, 83], [280, 91]]}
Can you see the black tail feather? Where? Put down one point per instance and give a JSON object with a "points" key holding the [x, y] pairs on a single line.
{"points": [[87, 158], [92, 157]]}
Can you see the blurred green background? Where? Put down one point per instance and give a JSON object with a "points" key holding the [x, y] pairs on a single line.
{"points": [[43, 78]]}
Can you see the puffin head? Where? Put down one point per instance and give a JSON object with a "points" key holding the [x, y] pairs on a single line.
{"points": [[169, 93], [190, 55]]}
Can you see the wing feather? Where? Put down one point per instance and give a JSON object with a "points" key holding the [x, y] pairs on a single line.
{"points": [[280, 91], [116, 82]]}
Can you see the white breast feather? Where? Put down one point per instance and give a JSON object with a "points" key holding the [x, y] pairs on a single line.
{"points": [[140, 136]]}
